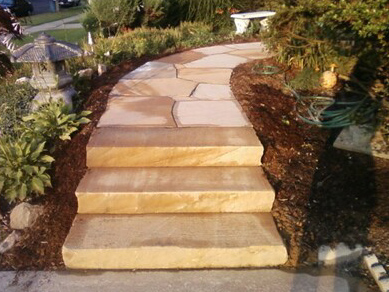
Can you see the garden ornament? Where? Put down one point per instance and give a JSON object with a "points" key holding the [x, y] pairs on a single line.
{"points": [[47, 57], [329, 78]]}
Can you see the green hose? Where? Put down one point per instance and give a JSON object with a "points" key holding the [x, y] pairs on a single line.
{"points": [[323, 111]]}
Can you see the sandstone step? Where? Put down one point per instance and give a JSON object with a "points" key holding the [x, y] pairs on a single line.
{"points": [[174, 190], [173, 241], [143, 147]]}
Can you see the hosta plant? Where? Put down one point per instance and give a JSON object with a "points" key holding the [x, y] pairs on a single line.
{"points": [[53, 120], [23, 168]]}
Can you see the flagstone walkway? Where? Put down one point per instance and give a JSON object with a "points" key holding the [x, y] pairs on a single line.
{"points": [[175, 180]]}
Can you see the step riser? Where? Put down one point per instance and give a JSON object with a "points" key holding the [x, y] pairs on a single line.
{"points": [[148, 203], [175, 258], [173, 156]]}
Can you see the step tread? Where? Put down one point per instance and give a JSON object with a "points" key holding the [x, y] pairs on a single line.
{"points": [[174, 190], [173, 137], [173, 179], [173, 241]]}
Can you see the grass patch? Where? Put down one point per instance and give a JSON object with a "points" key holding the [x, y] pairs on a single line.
{"points": [[52, 16], [75, 36]]}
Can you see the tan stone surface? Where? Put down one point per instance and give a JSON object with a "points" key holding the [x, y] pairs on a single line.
{"points": [[211, 75], [182, 58], [131, 147], [174, 190], [217, 61], [152, 70], [154, 87], [214, 50], [247, 46], [252, 54], [222, 113], [138, 111], [213, 92], [171, 241]]}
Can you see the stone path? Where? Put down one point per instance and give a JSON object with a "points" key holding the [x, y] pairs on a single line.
{"points": [[174, 178], [183, 281]]}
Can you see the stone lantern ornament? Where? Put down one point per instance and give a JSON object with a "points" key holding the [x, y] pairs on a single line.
{"points": [[48, 56]]}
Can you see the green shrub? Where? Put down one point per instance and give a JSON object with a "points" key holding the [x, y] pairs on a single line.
{"points": [[23, 168], [113, 14], [306, 79], [15, 101], [153, 41], [214, 12], [314, 34], [156, 13], [89, 21], [52, 121], [24, 159]]}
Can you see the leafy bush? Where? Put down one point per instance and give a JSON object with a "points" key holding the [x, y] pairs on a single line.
{"points": [[306, 79], [52, 121], [155, 13], [24, 161], [23, 168], [15, 100], [113, 14], [89, 21], [153, 41], [314, 34], [214, 12]]}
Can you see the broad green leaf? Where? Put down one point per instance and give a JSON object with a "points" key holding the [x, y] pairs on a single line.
{"points": [[38, 151], [23, 191], [11, 194], [65, 137], [37, 185], [83, 120], [47, 159]]}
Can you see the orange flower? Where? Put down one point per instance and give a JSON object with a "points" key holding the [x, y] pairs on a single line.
{"points": [[234, 10], [219, 11]]}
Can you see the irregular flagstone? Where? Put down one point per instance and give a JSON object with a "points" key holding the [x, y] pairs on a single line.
{"points": [[222, 113], [217, 61], [173, 241], [152, 70], [252, 54], [214, 50], [213, 92], [247, 46], [155, 87], [182, 58], [211, 75], [174, 190], [138, 111]]}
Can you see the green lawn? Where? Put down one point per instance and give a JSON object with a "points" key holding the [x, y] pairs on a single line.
{"points": [[68, 35], [51, 16]]}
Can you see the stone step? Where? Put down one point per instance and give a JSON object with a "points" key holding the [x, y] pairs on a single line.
{"points": [[150, 147], [174, 190], [173, 241]]}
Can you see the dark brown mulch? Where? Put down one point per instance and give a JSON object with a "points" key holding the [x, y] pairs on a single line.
{"points": [[323, 195]]}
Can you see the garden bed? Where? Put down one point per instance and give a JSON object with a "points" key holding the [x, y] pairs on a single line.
{"points": [[323, 195]]}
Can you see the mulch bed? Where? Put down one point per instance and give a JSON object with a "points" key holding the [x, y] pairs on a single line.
{"points": [[323, 195]]}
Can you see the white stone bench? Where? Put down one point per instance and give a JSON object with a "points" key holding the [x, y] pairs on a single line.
{"points": [[242, 20]]}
